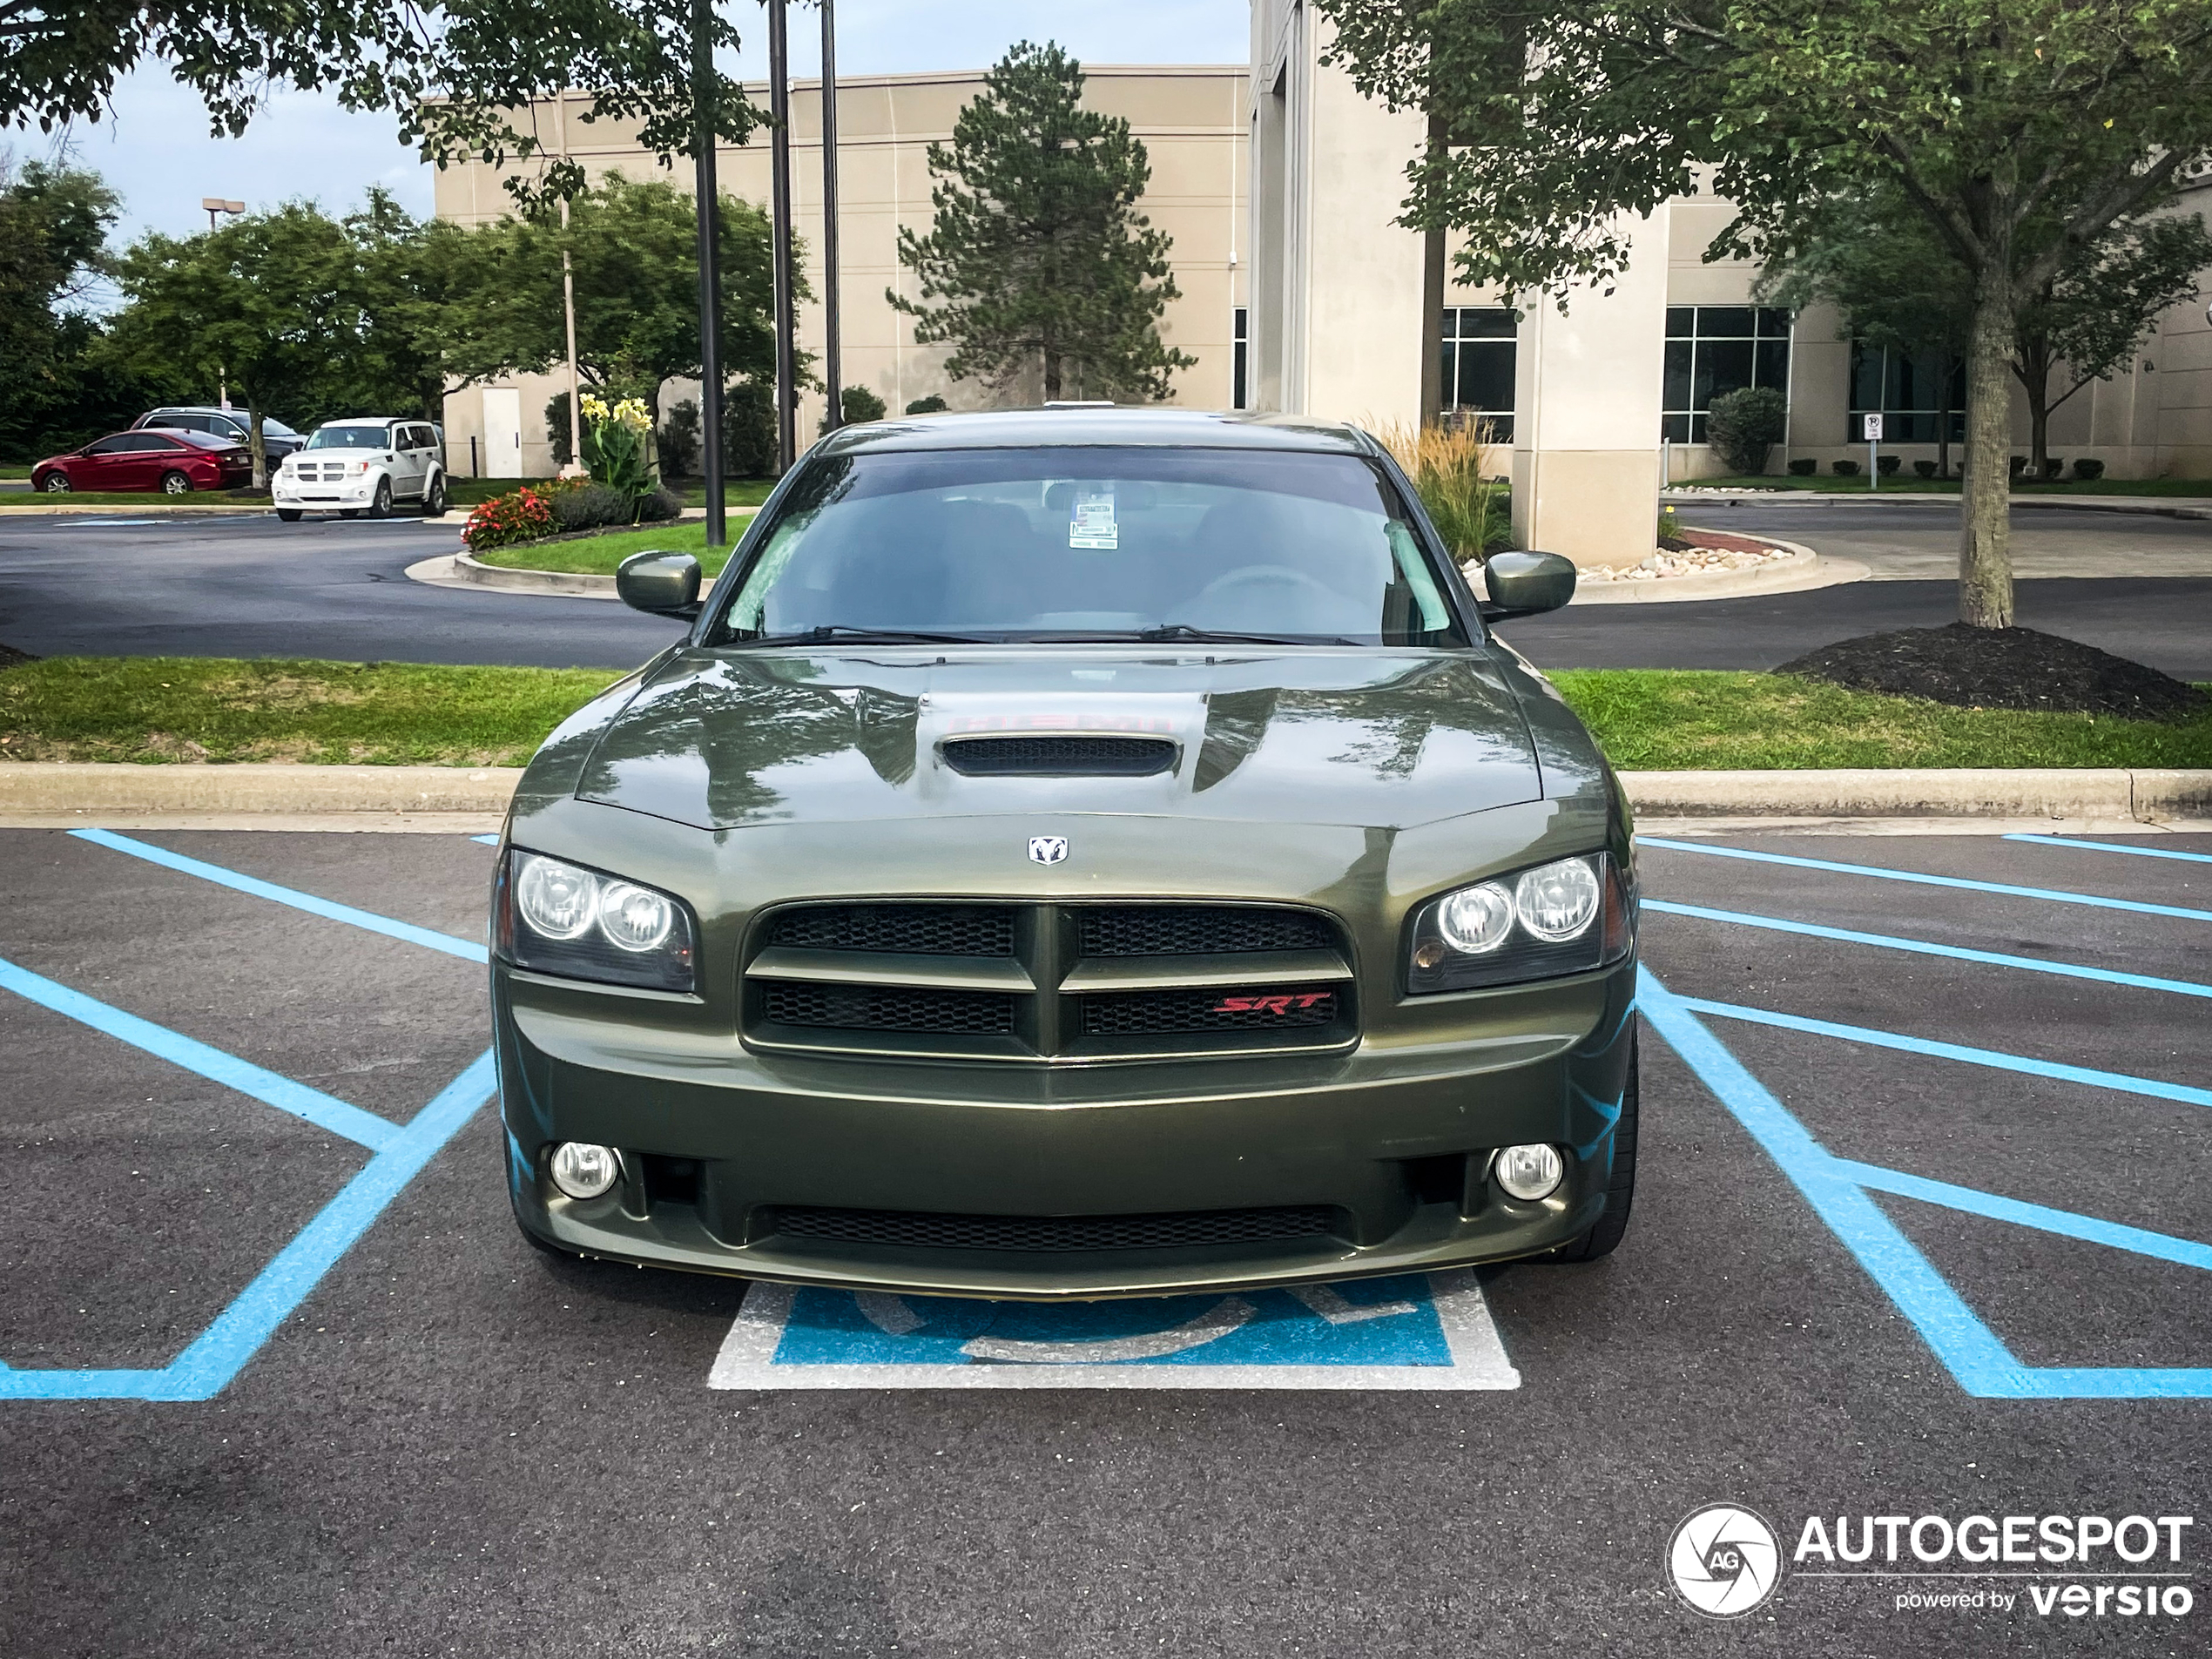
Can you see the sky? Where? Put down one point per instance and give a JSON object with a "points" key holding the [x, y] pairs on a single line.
{"points": [[155, 151]]}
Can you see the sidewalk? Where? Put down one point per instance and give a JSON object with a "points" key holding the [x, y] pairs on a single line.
{"points": [[2156, 506]]}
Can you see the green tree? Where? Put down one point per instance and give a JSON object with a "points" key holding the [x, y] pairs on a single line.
{"points": [[411, 282], [1989, 116], [1037, 250], [634, 251], [269, 302]]}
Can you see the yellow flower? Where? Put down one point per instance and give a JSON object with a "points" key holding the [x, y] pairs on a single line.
{"points": [[593, 407]]}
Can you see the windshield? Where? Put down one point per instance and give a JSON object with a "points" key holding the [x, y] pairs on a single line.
{"points": [[1081, 544], [351, 437]]}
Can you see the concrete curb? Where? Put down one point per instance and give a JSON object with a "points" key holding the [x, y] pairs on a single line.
{"points": [[574, 584], [152, 509], [1803, 570], [2156, 507], [89, 793]]}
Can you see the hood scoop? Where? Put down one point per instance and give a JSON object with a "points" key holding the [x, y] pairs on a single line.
{"points": [[1058, 755]]}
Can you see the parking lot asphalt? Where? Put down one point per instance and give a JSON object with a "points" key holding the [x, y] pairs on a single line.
{"points": [[105, 585], [1921, 1231]]}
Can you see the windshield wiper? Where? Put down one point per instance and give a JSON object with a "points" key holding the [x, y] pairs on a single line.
{"points": [[868, 636], [1184, 631]]}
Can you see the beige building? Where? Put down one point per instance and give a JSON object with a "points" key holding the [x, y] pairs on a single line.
{"points": [[1189, 120], [1599, 402]]}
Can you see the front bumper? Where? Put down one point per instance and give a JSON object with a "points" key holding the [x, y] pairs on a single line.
{"points": [[1393, 1142], [310, 496]]}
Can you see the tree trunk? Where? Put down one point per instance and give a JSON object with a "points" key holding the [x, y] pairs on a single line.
{"points": [[256, 443], [1051, 375], [1985, 499], [1943, 428], [2039, 429]]}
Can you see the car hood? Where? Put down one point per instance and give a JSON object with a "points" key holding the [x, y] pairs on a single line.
{"points": [[1376, 738]]}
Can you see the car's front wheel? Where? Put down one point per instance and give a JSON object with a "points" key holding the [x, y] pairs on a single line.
{"points": [[380, 504], [56, 483], [289, 515], [1605, 1237], [175, 484]]}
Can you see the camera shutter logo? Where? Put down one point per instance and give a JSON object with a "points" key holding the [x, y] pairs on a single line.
{"points": [[1048, 849], [1724, 1560]]}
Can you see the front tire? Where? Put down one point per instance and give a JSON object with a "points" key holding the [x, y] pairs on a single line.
{"points": [[380, 505], [56, 483], [289, 515], [1605, 1236], [175, 484]]}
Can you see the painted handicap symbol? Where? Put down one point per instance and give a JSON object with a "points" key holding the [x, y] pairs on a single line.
{"points": [[1430, 1331]]}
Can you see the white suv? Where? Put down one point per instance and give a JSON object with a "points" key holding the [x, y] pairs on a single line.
{"points": [[362, 465]]}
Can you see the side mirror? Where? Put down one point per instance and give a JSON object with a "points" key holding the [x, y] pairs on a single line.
{"points": [[664, 584], [1526, 584]]}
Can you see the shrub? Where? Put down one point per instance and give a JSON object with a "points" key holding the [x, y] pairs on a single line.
{"points": [[1888, 464], [858, 404], [679, 441], [2085, 468], [2020, 465], [1446, 465], [931, 405], [614, 444], [556, 428], [587, 506], [2053, 467], [522, 514], [1844, 468], [1744, 425], [1804, 466], [659, 507], [1670, 527], [749, 431], [1925, 468]]}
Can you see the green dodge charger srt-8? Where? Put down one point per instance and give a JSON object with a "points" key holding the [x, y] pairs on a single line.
{"points": [[1074, 853]]}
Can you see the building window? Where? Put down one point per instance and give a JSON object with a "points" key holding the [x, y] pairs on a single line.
{"points": [[1478, 364], [1912, 392], [1713, 349], [1240, 350]]}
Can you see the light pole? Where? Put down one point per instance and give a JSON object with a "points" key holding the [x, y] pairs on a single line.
{"points": [[831, 365], [703, 139], [212, 205], [568, 301], [779, 234]]}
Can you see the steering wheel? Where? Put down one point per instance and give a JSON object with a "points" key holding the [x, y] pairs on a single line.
{"points": [[1278, 576]]}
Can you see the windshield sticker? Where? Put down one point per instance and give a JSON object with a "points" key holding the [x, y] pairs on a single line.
{"points": [[1093, 524]]}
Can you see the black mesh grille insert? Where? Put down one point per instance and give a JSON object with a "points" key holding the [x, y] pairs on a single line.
{"points": [[1104, 757], [918, 929], [1269, 1007], [921, 1230], [1194, 930], [877, 1008]]}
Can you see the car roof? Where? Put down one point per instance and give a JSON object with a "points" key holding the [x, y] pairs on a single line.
{"points": [[1095, 425], [373, 420]]}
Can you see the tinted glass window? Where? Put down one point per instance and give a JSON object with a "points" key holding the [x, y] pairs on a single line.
{"points": [[351, 437], [109, 447], [175, 422], [1112, 543]]}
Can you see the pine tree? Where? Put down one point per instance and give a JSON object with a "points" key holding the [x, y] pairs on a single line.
{"points": [[1037, 250]]}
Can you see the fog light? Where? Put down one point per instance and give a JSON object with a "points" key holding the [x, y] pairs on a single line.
{"points": [[583, 1170], [1525, 1171]]}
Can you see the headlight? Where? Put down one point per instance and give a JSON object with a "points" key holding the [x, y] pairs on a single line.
{"points": [[1565, 917], [559, 918]]}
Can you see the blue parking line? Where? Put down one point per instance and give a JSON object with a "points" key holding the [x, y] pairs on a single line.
{"points": [[1921, 878], [1924, 947], [2164, 1246], [488, 841], [2023, 1063], [325, 1111], [208, 1365], [1837, 1190], [429, 938], [2114, 846]]}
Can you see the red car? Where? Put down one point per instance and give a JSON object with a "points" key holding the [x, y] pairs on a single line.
{"points": [[176, 463]]}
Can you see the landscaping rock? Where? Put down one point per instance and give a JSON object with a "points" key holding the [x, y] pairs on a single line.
{"points": [[2000, 668]]}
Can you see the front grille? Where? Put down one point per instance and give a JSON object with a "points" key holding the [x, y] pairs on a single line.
{"points": [[923, 1230], [876, 1007], [1272, 1007], [906, 929], [1061, 982], [1198, 930], [1061, 757]]}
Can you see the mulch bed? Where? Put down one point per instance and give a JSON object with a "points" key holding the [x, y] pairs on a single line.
{"points": [[2001, 668]]}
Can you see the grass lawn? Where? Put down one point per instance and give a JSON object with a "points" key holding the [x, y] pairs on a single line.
{"points": [[192, 709], [1680, 720], [599, 554], [1950, 486], [212, 708]]}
